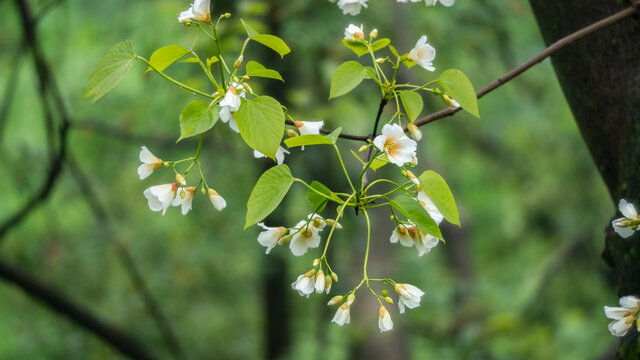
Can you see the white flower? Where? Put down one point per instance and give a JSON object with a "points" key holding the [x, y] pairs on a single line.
{"points": [[353, 32], [199, 10], [149, 163], [629, 223], [160, 197], [303, 238], [401, 233], [343, 315], [309, 127], [624, 316], [409, 296], [384, 320], [425, 242], [231, 103], [334, 300], [428, 205], [411, 236], [320, 282], [434, 2], [327, 284], [423, 54], [279, 154], [352, 7], [184, 197], [318, 222], [404, 1], [398, 147], [304, 285], [218, 202], [270, 236]]}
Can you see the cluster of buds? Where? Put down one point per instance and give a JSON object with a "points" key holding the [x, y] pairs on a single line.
{"points": [[314, 280], [303, 236]]}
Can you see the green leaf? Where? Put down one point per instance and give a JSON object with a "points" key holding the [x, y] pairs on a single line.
{"points": [[165, 56], [394, 51], [254, 68], [250, 31], [197, 118], [440, 194], [457, 85], [269, 191], [305, 140], [273, 42], [334, 135], [318, 203], [356, 46], [370, 72], [380, 44], [379, 162], [413, 104], [357, 157], [113, 67], [261, 124], [190, 60], [409, 63], [346, 78], [412, 209]]}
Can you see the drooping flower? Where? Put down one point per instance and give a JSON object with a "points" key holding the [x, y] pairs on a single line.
{"points": [[304, 284], [626, 225], [431, 208], [309, 127], [334, 300], [353, 32], [304, 237], [384, 320], [398, 147], [320, 282], [199, 10], [410, 235], [150, 163], [401, 233], [352, 7], [424, 242], [434, 2], [623, 317], [279, 154], [186, 198], [231, 103], [327, 284], [409, 296], [270, 236], [160, 197], [343, 315], [423, 54], [218, 202]]}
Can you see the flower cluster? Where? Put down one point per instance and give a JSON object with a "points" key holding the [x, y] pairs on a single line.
{"points": [[353, 7], [624, 316], [626, 225]]}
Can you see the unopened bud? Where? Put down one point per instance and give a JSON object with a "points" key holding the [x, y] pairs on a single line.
{"points": [[238, 62], [385, 292], [180, 179], [216, 94], [247, 87], [227, 15], [393, 218], [449, 101], [284, 240], [298, 124], [203, 191], [334, 276], [388, 300], [373, 34], [380, 60], [331, 222], [334, 300], [350, 299], [363, 148], [291, 133], [316, 262], [414, 131], [327, 283], [310, 273], [235, 79], [401, 230], [246, 77], [166, 164]]}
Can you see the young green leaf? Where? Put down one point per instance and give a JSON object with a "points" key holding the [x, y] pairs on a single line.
{"points": [[358, 47], [269, 191], [334, 135], [346, 78], [273, 42], [456, 84], [261, 124], [250, 31], [394, 51], [304, 140], [380, 44], [254, 68], [440, 194], [317, 201], [412, 209], [190, 60], [197, 118], [379, 162], [113, 67], [165, 56], [413, 104]]}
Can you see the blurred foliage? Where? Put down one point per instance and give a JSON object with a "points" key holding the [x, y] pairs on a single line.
{"points": [[522, 279]]}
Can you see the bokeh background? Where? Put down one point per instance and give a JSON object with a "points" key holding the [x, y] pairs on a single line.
{"points": [[522, 279]]}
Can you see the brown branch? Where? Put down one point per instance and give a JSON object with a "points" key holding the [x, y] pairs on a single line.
{"points": [[78, 315]]}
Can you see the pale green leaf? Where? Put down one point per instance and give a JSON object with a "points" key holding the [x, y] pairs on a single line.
{"points": [[269, 191], [190, 60], [254, 68], [358, 47], [394, 51], [379, 162], [380, 44], [440, 194], [113, 67], [272, 42], [412, 209], [250, 31], [318, 202], [346, 78], [305, 140], [413, 104], [456, 84], [165, 56], [197, 118], [261, 124]]}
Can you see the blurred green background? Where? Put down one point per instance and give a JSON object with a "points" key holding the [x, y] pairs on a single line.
{"points": [[522, 278]]}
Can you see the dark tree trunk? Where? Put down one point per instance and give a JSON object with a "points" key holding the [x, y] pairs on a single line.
{"points": [[600, 77]]}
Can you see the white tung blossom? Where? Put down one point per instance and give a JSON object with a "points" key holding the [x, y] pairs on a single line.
{"points": [[304, 285], [409, 296], [160, 197], [626, 225], [351, 7], [199, 10], [409, 236], [399, 148], [423, 54], [231, 103], [218, 202], [150, 163], [384, 320], [279, 154], [623, 317], [353, 32], [430, 207], [343, 315], [303, 237], [185, 196], [270, 236], [309, 127]]}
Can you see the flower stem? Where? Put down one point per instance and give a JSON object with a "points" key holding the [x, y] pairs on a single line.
{"points": [[176, 82], [344, 169]]}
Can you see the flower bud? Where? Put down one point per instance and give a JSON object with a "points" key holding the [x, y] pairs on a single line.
{"points": [[247, 87], [334, 276], [385, 292], [245, 77], [388, 300], [373, 34], [334, 300], [166, 164], [401, 230], [180, 179], [216, 94], [327, 283], [291, 133], [298, 124], [414, 131], [310, 273], [203, 191], [284, 240], [363, 148], [350, 299], [227, 15], [238, 62], [450, 102], [316, 262], [380, 60], [235, 79]]}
